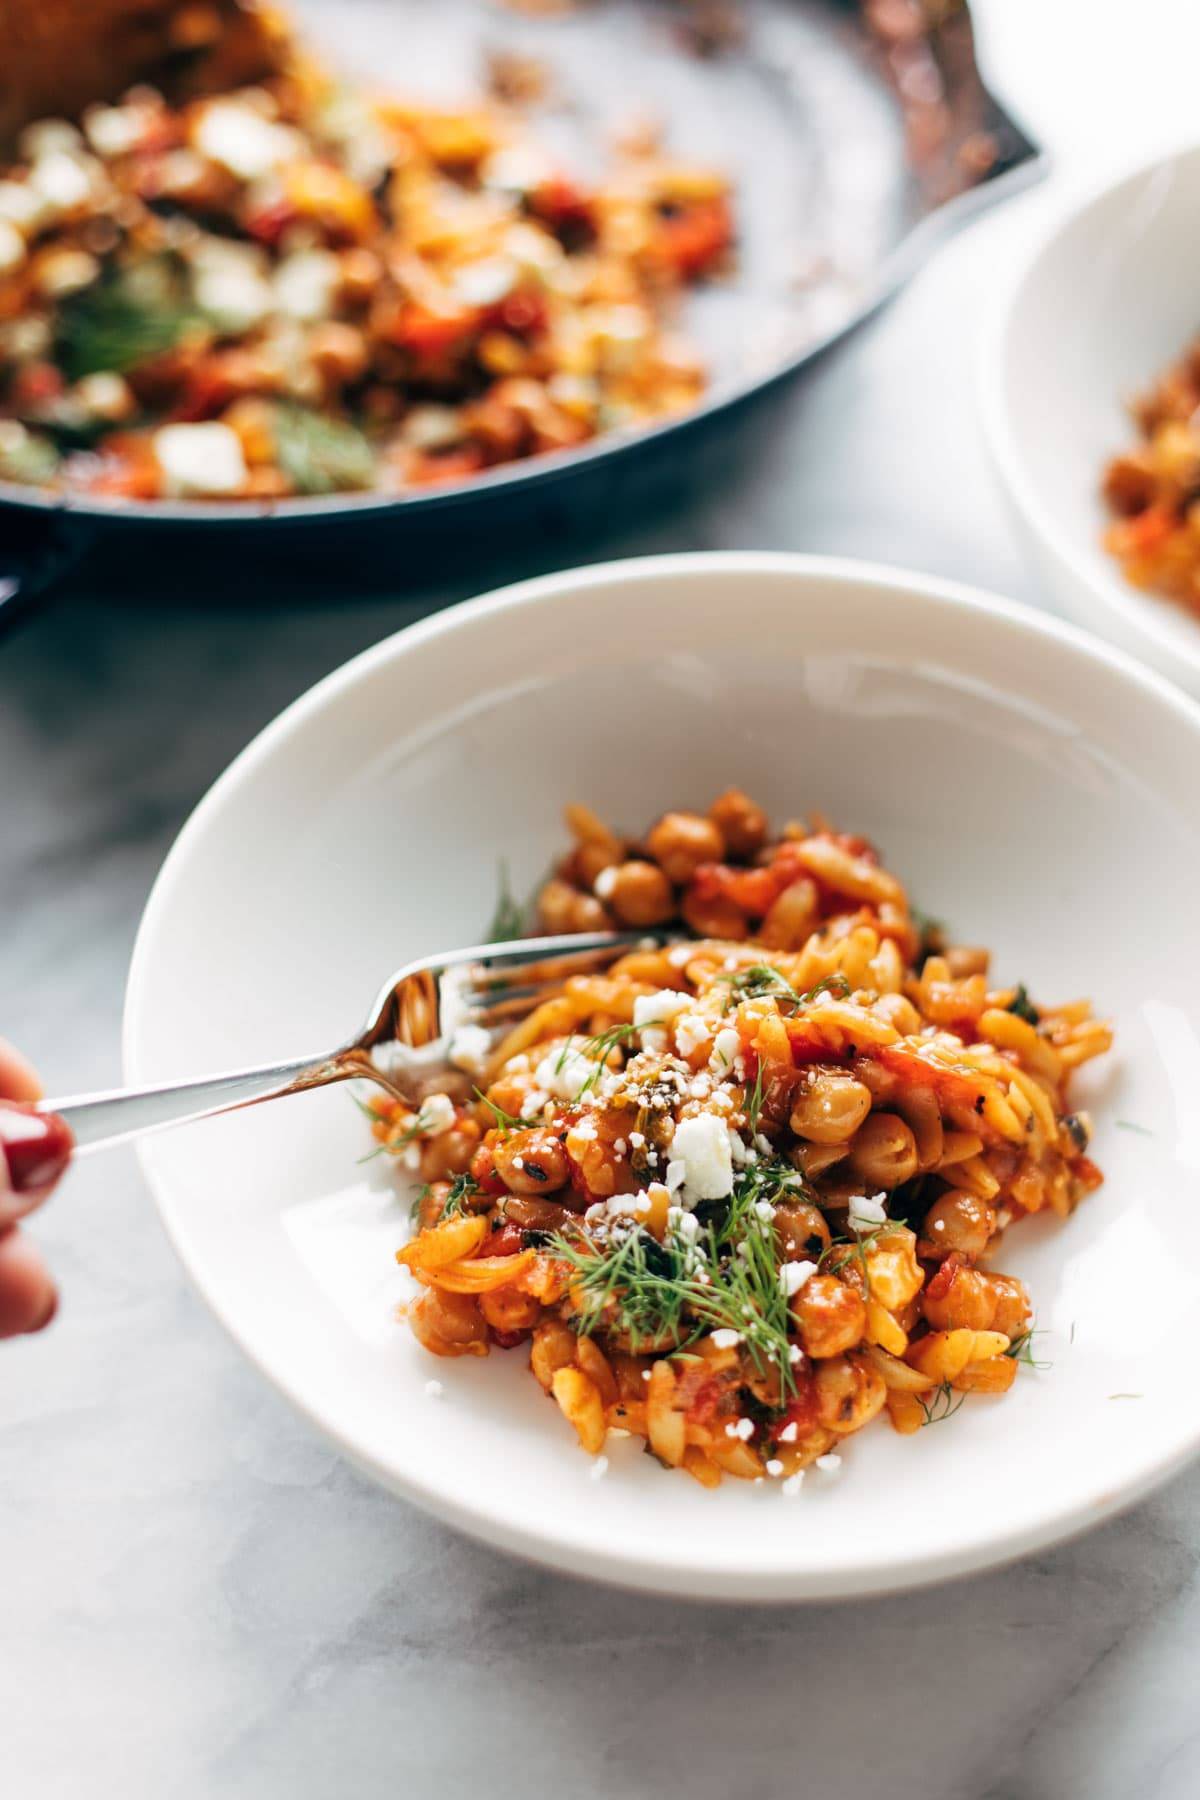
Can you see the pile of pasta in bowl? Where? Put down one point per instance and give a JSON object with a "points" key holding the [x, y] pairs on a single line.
{"points": [[738, 1194]]}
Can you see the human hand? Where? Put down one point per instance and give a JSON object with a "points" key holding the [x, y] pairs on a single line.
{"points": [[34, 1150]]}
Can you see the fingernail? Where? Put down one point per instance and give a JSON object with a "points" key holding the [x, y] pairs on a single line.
{"points": [[47, 1316], [37, 1147]]}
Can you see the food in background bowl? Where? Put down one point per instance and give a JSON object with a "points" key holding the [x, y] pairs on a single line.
{"points": [[737, 1194], [294, 289], [1154, 489]]}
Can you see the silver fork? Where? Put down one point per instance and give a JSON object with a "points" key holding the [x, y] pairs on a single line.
{"points": [[403, 1047]]}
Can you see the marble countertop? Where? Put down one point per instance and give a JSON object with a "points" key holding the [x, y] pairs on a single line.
{"points": [[196, 1598]]}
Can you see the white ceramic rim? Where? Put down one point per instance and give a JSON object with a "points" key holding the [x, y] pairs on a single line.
{"points": [[606, 1565], [1136, 614]]}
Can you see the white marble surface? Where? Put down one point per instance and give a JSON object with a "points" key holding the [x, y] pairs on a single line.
{"points": [[196, 1599]]}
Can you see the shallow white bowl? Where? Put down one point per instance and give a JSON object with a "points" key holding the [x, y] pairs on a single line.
{"points": [[1035, 790], [1107, 300]]}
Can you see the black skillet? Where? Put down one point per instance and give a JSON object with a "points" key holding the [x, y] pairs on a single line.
{"points": [[852, 150]]}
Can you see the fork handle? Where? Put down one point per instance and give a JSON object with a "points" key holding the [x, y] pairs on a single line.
{"points": [[96, 1120]]}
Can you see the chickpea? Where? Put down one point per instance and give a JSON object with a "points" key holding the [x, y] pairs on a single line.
{"points": [[801, 1230], [360, 272], [967, 1304], [338, 352], [553, 1348], [959, 1221], [562, 907], [681, 841], [591, 860], [715, 918], [507, 1309], [742, 824], [532, 1162], [535, 1215], [849, 1393], [451, 1152], [1013, 1310], [831, 1316], [884, 1152], [638, 893], [448, 1324], [829, 1107]]}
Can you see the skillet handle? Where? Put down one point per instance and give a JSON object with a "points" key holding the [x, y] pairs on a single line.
{"points": [[36, 551]]}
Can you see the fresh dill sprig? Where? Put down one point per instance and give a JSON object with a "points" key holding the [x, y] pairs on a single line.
{"points": [[943, 1404], [504, 1120], [1021, 1349], [508, 919], [760, 981], [598, 1050], [754, 1105], [463, 1188], [392, 1146], [653, 1293], [844, 1250]]}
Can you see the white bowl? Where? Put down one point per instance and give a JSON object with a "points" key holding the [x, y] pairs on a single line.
{"points": [[1103, 304], [1034, 789]]}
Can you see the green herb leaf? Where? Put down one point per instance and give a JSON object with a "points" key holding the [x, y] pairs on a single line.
{"points": [[508, 920], [319, 454], [1023, 1006], [134, 312]]}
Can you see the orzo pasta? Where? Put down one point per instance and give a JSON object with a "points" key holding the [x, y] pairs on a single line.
{"points": [[1153, 489], [738, 1194]]}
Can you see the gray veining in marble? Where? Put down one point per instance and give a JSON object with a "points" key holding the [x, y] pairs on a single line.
{"points": [[196, 1599]]}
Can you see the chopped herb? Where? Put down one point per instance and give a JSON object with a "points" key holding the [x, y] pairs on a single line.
{"points": [[508, 920], [599, 1049], [754, 1105], [1023, 1006], [321, 455], [761, 981], [503, 1119], [942, 1406], [1129, 1125], [653, 1293], [130, 315], [1127, 1396], [1021, 1350], [463, 1188]]}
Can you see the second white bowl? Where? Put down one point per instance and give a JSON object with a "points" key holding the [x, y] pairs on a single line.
{"points": [[1108, 298]]}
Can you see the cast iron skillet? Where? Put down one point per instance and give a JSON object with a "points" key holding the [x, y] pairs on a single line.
{"points": [[852, 157]]}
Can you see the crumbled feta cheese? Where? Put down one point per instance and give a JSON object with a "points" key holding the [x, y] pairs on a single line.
{"points": [[434, 1389], [514, 168], [584, 1132], [764, 1211], [20, 205], [486, 282], [114, 130], [701, 1143], [637, 1139], [306, 282], [564, 1073], [46, 137], [691, 1033], [61, 181], [793, 1275], [654, 1039], [12, 247], [470, 1048], [241, 140], [518, 1162], [773, 1466], [685, 1224], [867, 1214], [738, 1150], [620, 1147], [432, 428], [437, 1114], [792, 1485], [599, 1468], [725, 1338], [233, 291], [657, 1009], [105, 395], [726, 1045], [200, 459], [795, 1354], [679, 956], [676, 1172], [533, 1103], [763, 1144], [742, 1428], [789, 1433], [605, 882], [830, 1463]]}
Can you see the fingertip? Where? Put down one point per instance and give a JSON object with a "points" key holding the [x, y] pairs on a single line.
{"points": [[18, 1078], [28, 1297]]}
